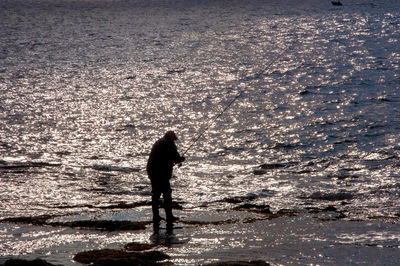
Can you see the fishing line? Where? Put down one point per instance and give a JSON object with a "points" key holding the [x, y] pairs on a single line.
{"points": [[276, 59]]}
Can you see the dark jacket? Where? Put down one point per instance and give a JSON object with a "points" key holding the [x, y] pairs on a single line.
{"points": [[163, 156]]}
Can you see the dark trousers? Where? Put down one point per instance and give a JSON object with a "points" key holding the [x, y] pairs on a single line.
{"points": [[166, 191]]}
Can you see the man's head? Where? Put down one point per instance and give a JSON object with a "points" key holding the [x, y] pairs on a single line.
{"points": [[171, 135]]}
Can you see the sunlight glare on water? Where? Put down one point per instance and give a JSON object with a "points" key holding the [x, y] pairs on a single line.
{"points": [[88, 86]]}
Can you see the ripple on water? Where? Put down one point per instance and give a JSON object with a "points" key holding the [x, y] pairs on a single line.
{"points": [[85, 94]]}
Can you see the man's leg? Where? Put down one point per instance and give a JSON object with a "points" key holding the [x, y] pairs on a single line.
{"points": [[155, 197], [168, 206]]}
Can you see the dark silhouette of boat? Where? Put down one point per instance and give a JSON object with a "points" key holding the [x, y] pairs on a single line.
{"points": [[336, 3]]}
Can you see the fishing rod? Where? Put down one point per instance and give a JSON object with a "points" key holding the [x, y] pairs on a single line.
{"points": [[212, 121], [255, 76]]}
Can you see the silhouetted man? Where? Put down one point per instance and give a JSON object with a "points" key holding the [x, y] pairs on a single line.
{"points": [[163, 156]]}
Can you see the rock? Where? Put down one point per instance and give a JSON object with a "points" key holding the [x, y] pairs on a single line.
{"points": [[331, 196], [176, 205], [35, 220], [330, 213], [105, 225], [123, 205], [126, 262], [287, 212], [326, 216], [111, 168], [26, 165], [264, 209], [250, 206], [153, 256], [238, 263], [259, 171], [382, 217], [134, 246], [271, 166], [326, 209], [192, 222], [20, 262], [106, 256], [239, 199], [336, 3], [331, 209]]}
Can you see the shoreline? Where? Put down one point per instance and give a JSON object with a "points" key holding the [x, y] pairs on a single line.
{"points": [[201, 237]]}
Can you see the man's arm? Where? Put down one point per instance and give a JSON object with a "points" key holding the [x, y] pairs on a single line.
{"points": [[177, 158]]}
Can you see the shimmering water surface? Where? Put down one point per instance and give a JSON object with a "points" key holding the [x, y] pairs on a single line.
{"points": [[88, 86]]}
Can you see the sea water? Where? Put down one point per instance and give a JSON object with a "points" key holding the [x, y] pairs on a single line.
{"points": [[86, 88]]}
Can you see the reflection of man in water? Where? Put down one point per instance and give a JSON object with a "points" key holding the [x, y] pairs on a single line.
{"points": [[162, 158]]}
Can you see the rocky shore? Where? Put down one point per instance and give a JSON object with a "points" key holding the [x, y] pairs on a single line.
{"points": [[242, 214]]}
